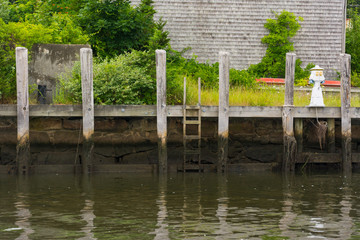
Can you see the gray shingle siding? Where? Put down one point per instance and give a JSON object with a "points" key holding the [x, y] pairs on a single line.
{"points": [[237, 26]]}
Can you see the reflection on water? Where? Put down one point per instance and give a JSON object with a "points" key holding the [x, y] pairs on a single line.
{"points": [[162, 231], [180, 206], [23, 215], [87, 214]]}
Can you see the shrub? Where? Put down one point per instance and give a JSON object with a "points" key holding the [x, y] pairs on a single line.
{"points": [[11, 36], [355, 79], [353, 42], [115, 26], [281, 29], [116, 81]]}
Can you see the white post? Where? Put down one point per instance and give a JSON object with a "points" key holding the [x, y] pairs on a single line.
{"points": [[223, 128], [161, 109], [88, 108]]}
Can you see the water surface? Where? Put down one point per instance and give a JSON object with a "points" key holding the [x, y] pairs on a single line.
{"points": [[180, 206]]}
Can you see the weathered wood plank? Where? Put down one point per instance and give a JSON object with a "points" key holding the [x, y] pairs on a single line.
{"points": [[345, 60], [289, 141], [87, 109], [9, 110], [22, 86], [161, 109], [223, 122]]}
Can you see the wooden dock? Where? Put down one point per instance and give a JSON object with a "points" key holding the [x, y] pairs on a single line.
{"points": [[292, 116]]}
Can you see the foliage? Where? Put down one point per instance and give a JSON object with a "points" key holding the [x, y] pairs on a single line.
{"points": [[353, 42], [4, 10], [281, 29], [355, 79], [26, 34], [116, 81], [114, 26], [11, 36], [352, 6], [24, 23]]}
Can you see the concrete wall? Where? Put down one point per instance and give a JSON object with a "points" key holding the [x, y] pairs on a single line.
{"points": [[237, 26], [50, 60]]}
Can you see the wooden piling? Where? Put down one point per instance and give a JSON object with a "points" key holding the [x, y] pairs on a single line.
{"points": [[289, 152], [345, 92], [223, 128], [23, 143], [87, 109], [161, 109], [330, 135], [299, 131]]}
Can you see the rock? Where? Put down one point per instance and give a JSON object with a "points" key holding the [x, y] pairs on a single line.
{"points": [[263, 153], [44, 124]]}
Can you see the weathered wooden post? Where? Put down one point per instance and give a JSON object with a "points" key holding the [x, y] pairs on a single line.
{"points": [[289, 153], [88, 109], [22, 85], [161, 109], [299, 131], [330, 135], [223, 128], [345, 91]]}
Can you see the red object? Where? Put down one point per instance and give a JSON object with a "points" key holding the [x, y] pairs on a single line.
{"points": [[277, 81], [281, 81]]}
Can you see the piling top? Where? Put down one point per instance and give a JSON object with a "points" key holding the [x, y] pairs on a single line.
{"points": [[21, 48], [85, 50], [160, 51]]}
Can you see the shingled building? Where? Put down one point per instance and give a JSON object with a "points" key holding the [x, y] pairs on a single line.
{"points": [[237, 26]]}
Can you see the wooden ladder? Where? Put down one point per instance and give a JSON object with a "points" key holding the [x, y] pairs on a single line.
{"points": [[192, 142]]}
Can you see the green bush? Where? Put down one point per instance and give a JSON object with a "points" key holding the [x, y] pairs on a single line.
{"points": [[353, 42], [11, 36], [4, 10], [355, 79], [115, 26], [116, 81], [273, 64]]}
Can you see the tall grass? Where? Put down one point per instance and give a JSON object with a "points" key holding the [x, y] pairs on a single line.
{"points": [[264, 96]]}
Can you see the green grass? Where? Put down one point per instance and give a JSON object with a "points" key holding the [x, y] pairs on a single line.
{"points": [[265, 96]]}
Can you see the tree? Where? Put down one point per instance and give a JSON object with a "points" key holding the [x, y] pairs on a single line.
{"points": [[114, 26]]}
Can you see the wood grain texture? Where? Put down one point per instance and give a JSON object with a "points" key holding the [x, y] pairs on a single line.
{"points": [[223, 122], [289, 141], [345, 60], [22, 87], [87, 108], [161, 109]]}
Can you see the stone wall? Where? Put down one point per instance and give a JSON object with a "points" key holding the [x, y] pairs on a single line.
{"points": [[48, 61], [237, 26], [134, 140]]}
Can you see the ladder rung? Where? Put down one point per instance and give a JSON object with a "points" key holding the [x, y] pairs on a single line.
{"points": [[192, 122], [192, 137]]}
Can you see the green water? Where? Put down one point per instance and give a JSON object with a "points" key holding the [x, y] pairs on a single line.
{"points": [[180, 206]]}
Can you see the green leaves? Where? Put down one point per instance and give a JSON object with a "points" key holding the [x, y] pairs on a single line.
{"points": [[281, 29], [116, 81], [115, 26], [353, 42]]}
